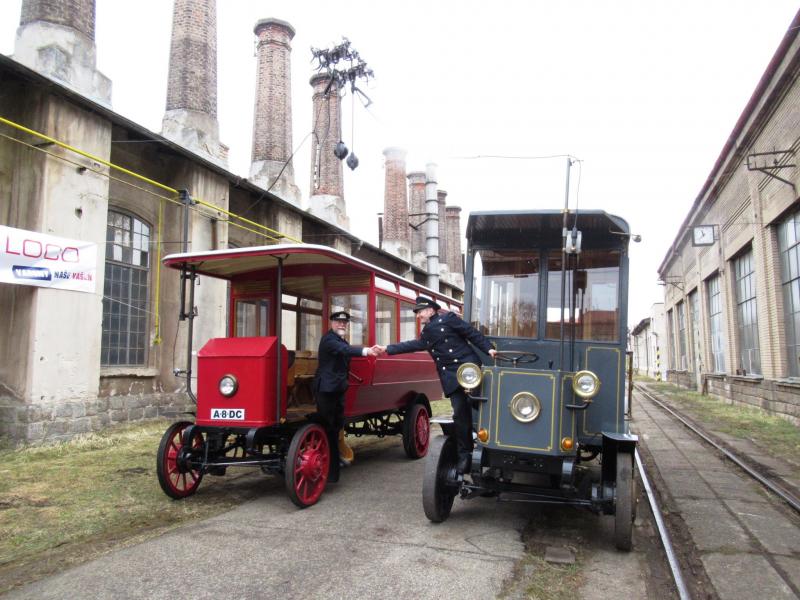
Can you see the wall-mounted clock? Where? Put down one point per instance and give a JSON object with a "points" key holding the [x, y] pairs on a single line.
{"points": [[703, 235]]}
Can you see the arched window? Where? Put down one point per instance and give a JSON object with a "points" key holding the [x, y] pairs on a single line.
{"points": [[125, 291]]}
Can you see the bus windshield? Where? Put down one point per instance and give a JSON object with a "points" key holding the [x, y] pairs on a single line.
{"points": [[595, 301], [505, 292]]}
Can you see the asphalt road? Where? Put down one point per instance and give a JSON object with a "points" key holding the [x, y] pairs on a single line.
{"points": [[367, 538]]}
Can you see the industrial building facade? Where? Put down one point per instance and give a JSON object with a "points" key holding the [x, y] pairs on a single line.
{"points": [[70, 167], [732, 275]]}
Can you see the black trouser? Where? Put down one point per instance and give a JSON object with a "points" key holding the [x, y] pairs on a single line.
{"points": [[330, 407], [462, 417]]}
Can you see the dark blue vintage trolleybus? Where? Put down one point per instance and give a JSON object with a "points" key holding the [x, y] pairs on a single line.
{"points": [[549, 288]]}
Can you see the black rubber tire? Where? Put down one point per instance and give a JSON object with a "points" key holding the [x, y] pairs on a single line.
{"points": [[437, 497], [307, 464], [176, 484], [415, 441], [624, 502]]}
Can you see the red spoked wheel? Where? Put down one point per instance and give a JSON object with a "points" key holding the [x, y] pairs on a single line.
{"points": [[307, 465], [176, 481], [416, 431]]}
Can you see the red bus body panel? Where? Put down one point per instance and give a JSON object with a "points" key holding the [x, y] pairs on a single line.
{"points": [[252, 360], [393, 381]]}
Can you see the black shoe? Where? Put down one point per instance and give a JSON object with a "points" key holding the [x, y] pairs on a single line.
{"points": [[464, 463]]}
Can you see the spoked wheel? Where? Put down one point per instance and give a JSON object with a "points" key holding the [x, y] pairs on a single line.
{"points": [[176, 479], [416, 431], [624, 505], [440, 465], [307, 465]]}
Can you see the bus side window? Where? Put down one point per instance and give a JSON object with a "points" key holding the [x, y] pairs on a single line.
{"points": [[408, 321], [252, 317], [356, 306], [385, 320]]}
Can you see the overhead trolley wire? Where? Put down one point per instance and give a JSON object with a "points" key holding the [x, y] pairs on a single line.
{"points": [[157, 321], [276, 235]]}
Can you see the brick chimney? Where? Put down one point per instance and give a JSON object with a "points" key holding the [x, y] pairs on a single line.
{"points": [[191, 116], [442, 200], [416, 216], [272, 119], [453, 218], [327, 191], [395, 204], [56, 38]]}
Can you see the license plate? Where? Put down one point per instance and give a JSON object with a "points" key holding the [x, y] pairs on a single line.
{"points": [[227, 414]]}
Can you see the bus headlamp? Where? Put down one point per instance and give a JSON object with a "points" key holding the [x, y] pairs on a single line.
{"points": [[525, 407], [585, 384], [469, 376], [228, 386]]}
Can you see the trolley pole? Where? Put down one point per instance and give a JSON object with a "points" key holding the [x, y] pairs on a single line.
{"points": [[564, 265]]}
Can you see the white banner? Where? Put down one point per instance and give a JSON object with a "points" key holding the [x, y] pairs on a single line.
{"points": [[33, 258]]}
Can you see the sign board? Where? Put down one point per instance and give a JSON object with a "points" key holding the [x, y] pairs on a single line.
{"points": [[33, 258]]}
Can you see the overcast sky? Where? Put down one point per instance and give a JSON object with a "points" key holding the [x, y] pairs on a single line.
{"points": [[643, 93]]}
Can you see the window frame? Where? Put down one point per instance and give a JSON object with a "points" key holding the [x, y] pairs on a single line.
{"points": [[144, 332]]}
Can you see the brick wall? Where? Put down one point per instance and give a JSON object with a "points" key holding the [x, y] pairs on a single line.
{"points": [[192, 80], [416, 206], [453, 218], [59, 421], [326, 169], [78, 14], [779, 398], [395, 199], [272, 122]]}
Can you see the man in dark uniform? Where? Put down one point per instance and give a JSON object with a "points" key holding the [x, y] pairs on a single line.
{"points": [[447, 339], [330, 382]]}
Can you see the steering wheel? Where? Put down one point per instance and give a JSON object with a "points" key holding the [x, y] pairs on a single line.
{"points": [[516, 356]]}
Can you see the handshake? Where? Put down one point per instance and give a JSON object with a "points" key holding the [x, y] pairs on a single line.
{"points": [[376, 350]]}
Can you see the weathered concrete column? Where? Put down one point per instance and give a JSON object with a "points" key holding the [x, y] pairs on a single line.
{"points": [[191, 116], [56, 38], [271, 165], [50, 338], [327, 190], [432, 226], [395, 204]]}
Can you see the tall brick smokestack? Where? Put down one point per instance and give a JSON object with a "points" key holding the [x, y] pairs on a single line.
{"points": [[453, 218], [442, 200], [191, 116], [395, 204], [416, 216], [327, 190], [56, 38], [272, 121]]}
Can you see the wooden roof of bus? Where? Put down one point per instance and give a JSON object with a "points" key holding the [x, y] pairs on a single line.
{"points": [[235, 262], [533, 221]]}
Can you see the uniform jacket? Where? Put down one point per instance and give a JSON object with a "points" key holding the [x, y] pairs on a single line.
{"points": [[445, 338], [334, 363]]}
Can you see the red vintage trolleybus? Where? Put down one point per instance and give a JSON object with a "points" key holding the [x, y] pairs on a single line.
{"points": [[254, 398]]}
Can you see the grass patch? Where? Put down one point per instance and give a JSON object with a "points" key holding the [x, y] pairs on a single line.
{"points": [[775, 435], [441, 408]]}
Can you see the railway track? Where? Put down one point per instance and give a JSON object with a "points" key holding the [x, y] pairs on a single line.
{"points": [[730, 537], [775, 485]]}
